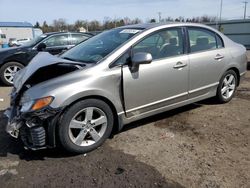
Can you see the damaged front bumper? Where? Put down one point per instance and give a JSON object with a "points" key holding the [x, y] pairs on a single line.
{"points": [[35, 129], [13, 126]]}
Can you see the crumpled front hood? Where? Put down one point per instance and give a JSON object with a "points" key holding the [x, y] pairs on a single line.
{"points": [[42, 59]]}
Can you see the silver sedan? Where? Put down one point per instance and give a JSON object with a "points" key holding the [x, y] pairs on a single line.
{"points": [[117, 77]]}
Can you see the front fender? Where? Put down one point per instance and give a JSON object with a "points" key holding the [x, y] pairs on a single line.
{"points": [[115, 99]]}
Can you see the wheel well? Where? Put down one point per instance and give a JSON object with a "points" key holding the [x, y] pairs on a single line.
{"points": [[111, 105], [237, 73], [8, 61]]}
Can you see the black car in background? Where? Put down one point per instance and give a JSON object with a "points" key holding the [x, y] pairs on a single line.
{"points": [[14, 59]]}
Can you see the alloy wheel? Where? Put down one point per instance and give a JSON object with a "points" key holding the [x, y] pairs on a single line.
{"points": [[10, 72], [228, 86], [88, 126]]}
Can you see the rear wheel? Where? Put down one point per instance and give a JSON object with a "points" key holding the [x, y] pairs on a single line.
{"points": [[227, 87], [8, 71], [85, 126]]}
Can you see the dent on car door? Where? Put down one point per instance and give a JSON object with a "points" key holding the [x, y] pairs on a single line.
{"points": [[57, 43], [164, 81], [207, 59]]}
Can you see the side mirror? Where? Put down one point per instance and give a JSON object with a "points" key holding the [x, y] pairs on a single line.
{"points": [[141, 58], [41, 47]]}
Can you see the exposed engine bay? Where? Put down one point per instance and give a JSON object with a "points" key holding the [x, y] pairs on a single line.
{"points": [[52, 71], [32, 125]]}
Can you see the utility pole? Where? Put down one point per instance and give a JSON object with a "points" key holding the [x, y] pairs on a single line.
{"points": [[221, 4], [245, 9], [159, 14], [115, 21]]}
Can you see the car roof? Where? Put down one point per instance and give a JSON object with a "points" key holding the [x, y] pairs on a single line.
{"points": [[66, 32], [144, 25], [153, 25]]}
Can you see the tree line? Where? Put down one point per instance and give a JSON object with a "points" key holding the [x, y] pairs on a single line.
{"points": [[108, 23]]}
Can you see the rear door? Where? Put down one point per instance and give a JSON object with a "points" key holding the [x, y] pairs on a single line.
{"points": [[164, 81], [207, 58]]}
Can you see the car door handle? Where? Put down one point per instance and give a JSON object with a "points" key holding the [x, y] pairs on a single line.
{"points": [[218, 57], [180, 65]]}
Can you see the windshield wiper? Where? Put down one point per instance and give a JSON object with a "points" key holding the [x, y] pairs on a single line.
{"points": [[69, 58], [78, 60]]}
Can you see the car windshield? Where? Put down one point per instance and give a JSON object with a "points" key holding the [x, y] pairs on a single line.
{"points": [[35, 40], [99, 46]]}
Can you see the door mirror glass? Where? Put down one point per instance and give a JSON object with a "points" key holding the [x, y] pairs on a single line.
{"points": [[41, 47], [141, 58]]}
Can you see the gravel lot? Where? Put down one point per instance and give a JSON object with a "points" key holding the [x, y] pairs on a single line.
{"points": [[200, 145]]}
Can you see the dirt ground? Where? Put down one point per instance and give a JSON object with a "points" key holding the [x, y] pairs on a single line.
{"points": [[200, 145]]}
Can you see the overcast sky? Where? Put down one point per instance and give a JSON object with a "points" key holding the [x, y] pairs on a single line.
{"points": [[71, 10]]}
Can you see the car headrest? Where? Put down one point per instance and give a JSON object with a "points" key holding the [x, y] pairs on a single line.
{"points": [[202, 41], [173, 41]]}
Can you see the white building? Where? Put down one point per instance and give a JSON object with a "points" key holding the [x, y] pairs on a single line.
{"points": [[16, 30]]}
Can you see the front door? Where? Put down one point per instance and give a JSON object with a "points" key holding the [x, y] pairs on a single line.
{"points": [[164, 81]]}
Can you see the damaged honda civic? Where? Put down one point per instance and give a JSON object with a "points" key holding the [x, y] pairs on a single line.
{"points": [[79, 98]]}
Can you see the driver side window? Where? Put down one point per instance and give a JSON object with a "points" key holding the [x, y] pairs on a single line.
{"points": [[162, 44]]}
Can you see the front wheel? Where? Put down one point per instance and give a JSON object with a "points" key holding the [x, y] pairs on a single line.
{"points": [[85, 125], [227, 87]]}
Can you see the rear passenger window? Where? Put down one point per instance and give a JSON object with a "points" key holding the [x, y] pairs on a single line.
{"points": [[202, 39], [219, 42]]}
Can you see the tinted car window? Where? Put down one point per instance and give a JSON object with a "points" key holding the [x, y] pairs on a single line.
{"points": [[57, 40], [165, 43], [201, 39], [77, 38]]}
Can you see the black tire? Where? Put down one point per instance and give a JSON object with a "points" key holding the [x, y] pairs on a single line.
{"points": [[70, 113], [3, 69], [219, 95]]}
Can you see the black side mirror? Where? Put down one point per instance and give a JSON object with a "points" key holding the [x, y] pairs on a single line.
{"points": [[41, 47], [140, 58]]}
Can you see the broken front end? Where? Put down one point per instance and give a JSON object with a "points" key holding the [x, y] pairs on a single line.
{"points": [[33, 119], [35, 127]]}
